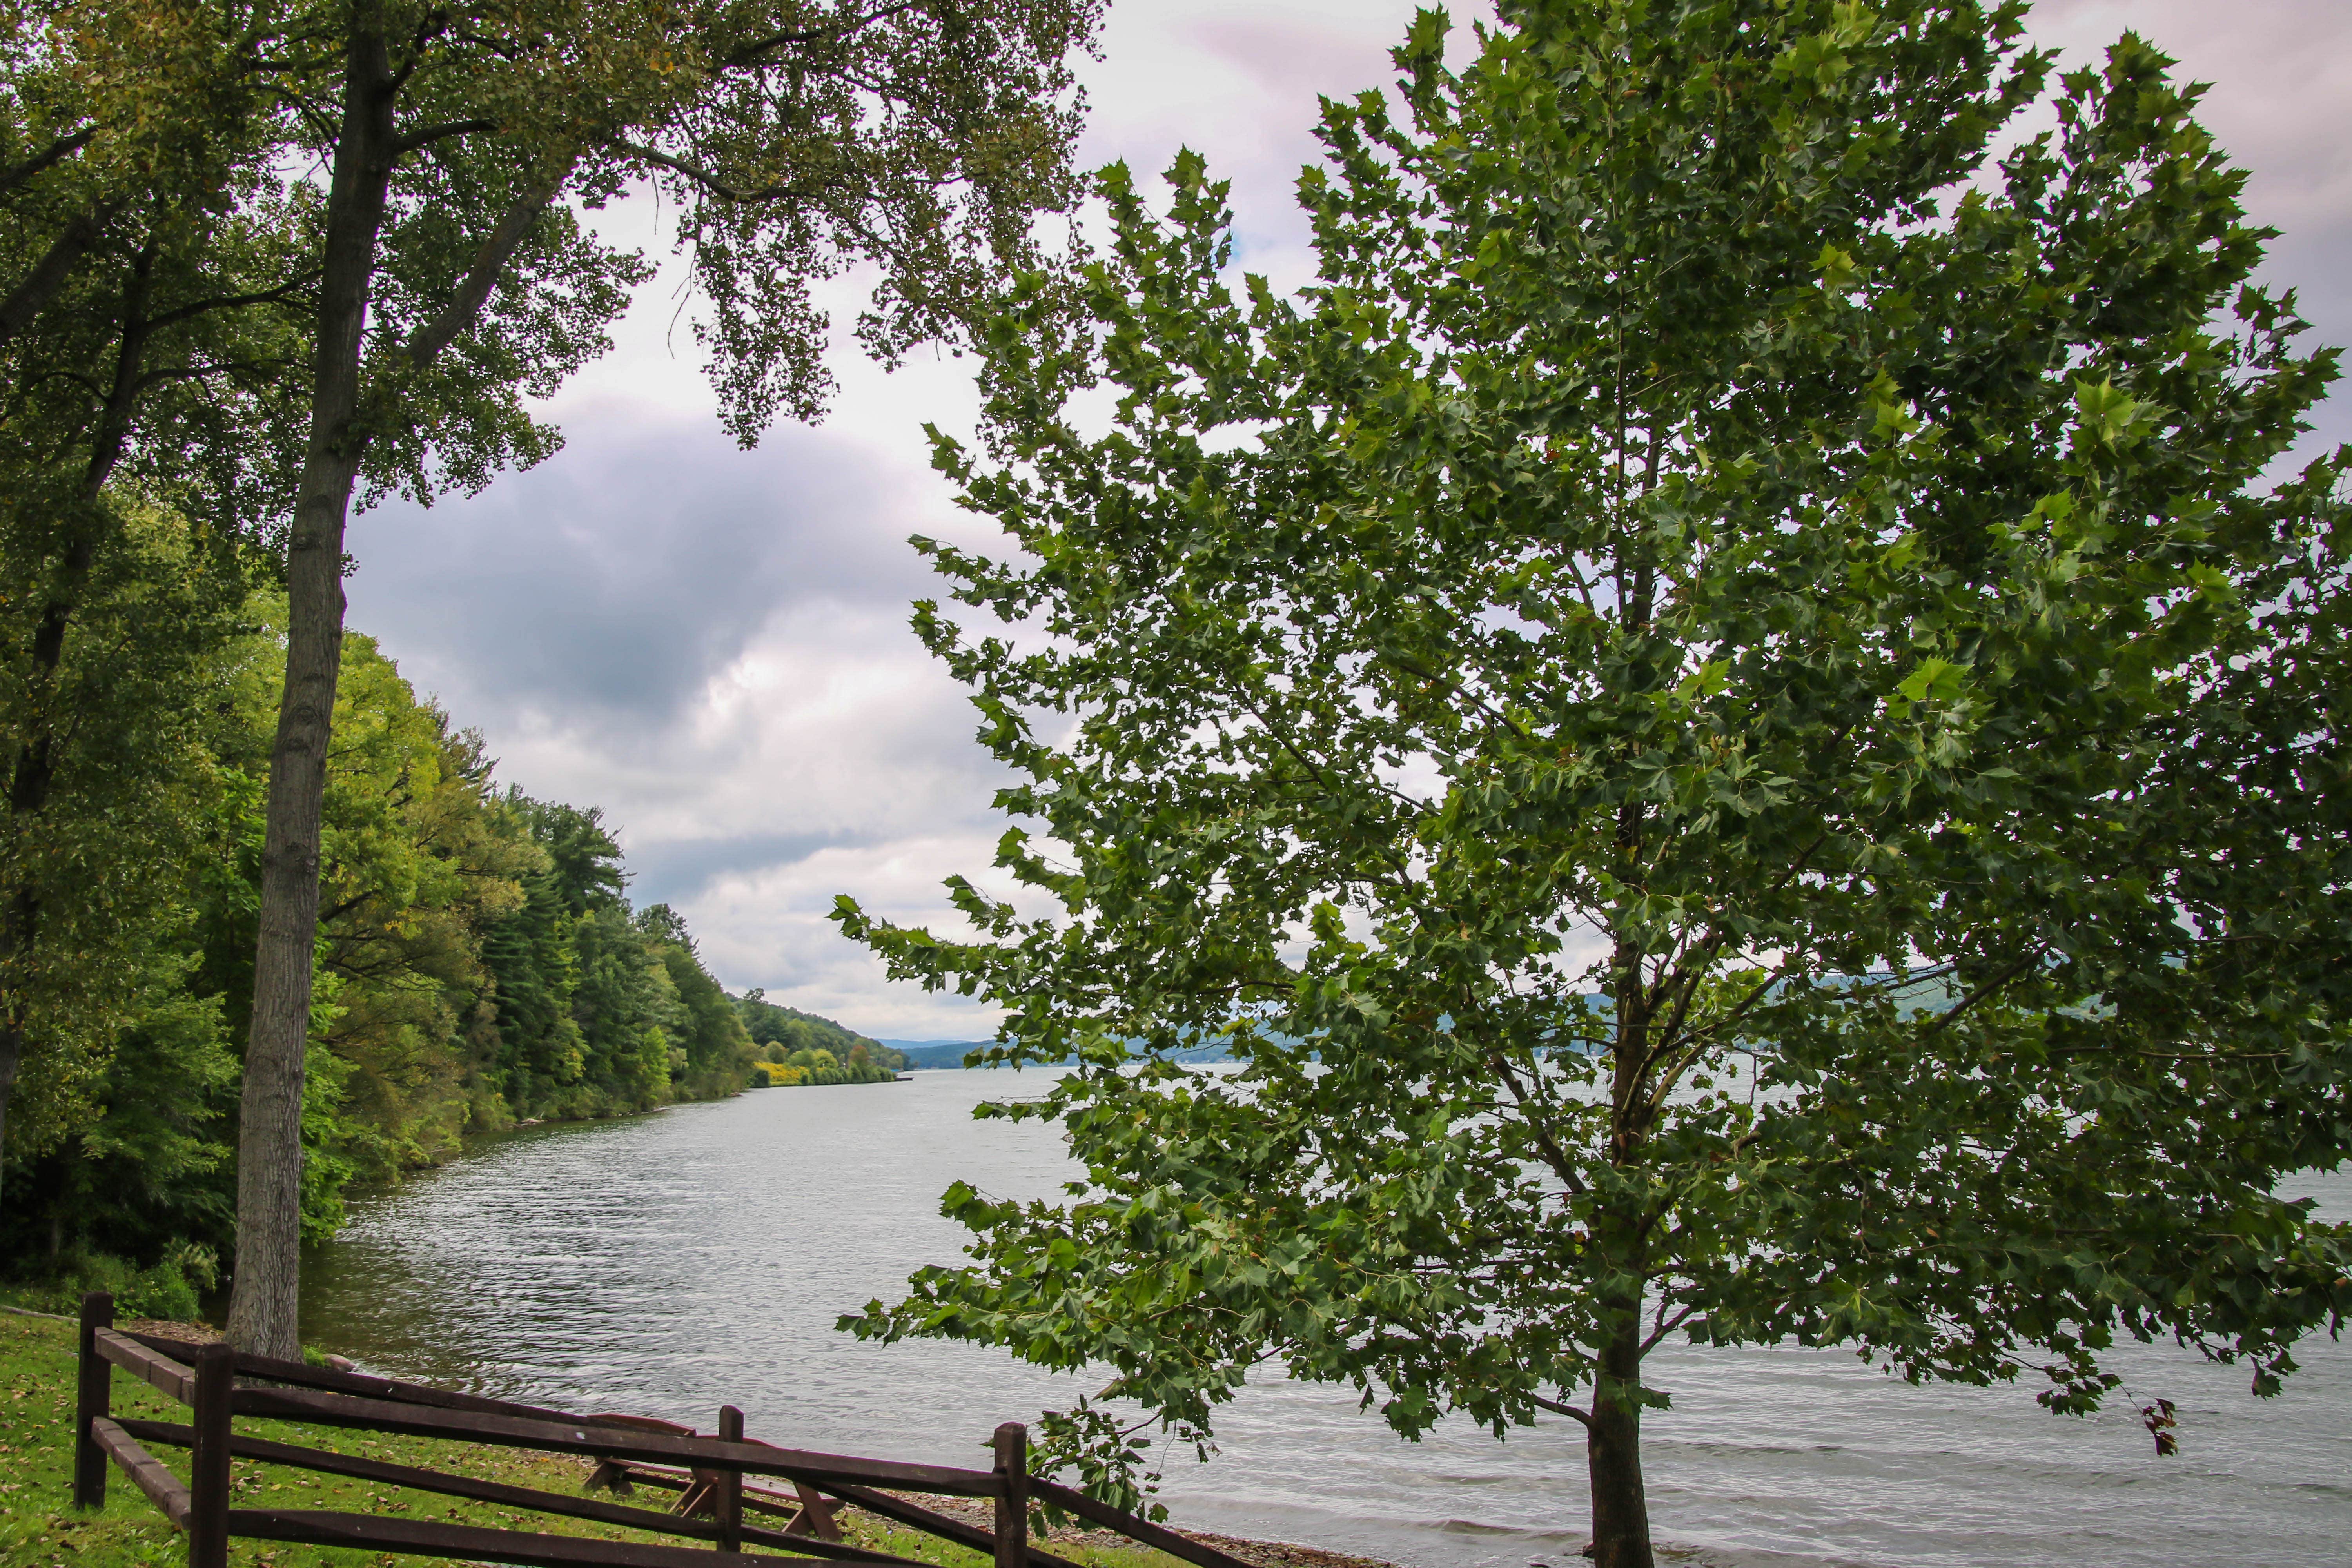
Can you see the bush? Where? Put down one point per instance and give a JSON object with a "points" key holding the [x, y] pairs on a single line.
{"points": [[168, 1288]]}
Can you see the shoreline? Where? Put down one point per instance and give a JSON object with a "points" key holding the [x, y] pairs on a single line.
{"points": [[1260, 1554]]}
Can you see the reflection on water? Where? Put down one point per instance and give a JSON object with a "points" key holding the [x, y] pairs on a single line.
{"points": [[677, 1262]]}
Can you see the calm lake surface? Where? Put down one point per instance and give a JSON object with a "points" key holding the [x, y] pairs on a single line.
{"points": [[700, 1256]]}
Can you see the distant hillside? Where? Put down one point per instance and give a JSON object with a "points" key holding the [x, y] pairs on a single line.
{"points": [[783, 1030], [951, 1053], [935, 1053]]}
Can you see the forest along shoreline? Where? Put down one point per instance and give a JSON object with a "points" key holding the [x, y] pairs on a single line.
{"points": [[481, 966]]}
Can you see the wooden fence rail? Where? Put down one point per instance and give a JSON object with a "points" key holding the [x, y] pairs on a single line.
{"points": [[218, 1385]]}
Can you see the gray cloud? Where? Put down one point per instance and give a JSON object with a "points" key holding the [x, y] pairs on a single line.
{"points": [[681, 868], [609, 583]]}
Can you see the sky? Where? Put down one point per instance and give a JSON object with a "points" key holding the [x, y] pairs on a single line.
{"points": [[712, 645]]}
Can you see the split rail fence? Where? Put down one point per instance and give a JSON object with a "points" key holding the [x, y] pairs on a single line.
{"points": [[218, 1385]]}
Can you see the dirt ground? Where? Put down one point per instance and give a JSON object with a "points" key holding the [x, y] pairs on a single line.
{"points": [[1260, 1554]]}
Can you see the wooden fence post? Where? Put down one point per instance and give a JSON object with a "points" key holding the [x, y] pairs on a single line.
{"points": [[94, 1401], [727, 1507], [1012, 1496], [208, 1464]]}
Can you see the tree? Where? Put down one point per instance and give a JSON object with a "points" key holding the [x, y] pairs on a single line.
{"points": [[717, 1047], [456, 278], [418, 867], [1723, 713], [106, 730], [150, 283], [788, 1030]]}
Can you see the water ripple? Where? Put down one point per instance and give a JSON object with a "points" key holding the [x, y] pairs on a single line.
{"points": [[698, 1257]]}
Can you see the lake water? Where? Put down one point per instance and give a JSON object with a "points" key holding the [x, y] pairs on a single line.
{"points": [[676, 1262]]}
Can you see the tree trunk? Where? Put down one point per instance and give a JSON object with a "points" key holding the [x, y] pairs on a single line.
{"points": [[1612, 1442], [12, 1047], [1612, 1454], [30, 298], [264, 1293]]}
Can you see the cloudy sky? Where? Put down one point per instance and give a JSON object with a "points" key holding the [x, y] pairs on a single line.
{"points": [[712, 646]]}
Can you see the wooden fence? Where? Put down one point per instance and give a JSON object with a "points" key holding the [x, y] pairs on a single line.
{"points": [[218, 1384]]}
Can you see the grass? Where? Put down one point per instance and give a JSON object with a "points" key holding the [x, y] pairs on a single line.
{"points": [[40, 1528]]}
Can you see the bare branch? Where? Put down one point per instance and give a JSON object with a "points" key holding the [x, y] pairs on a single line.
{"points": [[1664, 1325]]}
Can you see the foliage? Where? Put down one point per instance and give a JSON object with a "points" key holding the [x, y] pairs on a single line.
{"points": [[149, 311], [1734, 715], [788, 1033], [808, 1067], [419, 176], [123, 802]]}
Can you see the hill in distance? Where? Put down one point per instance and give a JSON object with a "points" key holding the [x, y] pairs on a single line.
{"points": [[780, 1031], [922, 1054]]}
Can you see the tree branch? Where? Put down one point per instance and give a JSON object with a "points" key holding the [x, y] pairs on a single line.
{"points": [[1557, 1408], [1664, 1325], [63, 147], [718, 186], [1983, 990], [233, 301], [425, 135], [473, 290], [1562, 1165], [749, 54], [31, 297], [1687, 983]]}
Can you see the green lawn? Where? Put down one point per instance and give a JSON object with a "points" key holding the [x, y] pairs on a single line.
{"points": [[40, 1528]]}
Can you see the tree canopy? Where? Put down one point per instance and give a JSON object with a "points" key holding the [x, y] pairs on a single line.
{"points": [[150, 311], [1734, 713]]}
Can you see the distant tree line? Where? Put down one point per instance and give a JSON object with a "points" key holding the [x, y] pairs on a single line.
{"points": [[479, 963], [800, 1049]]}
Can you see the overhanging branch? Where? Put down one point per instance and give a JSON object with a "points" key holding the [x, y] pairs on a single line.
{"points": [[1557, 1408], [720, 188], [473, 290], [63, 147]]}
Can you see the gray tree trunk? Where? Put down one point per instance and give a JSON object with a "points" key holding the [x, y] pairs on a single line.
{"points": [[264, 1293], [1612, 1453]]}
